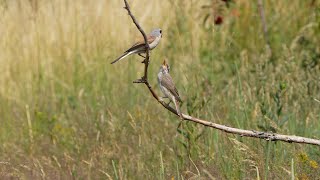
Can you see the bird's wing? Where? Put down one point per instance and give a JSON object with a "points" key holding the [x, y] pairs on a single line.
{"points": [[168, 83], [141, 43]]}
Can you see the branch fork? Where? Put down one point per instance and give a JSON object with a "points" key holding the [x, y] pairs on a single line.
{"points": [[141, 80]]}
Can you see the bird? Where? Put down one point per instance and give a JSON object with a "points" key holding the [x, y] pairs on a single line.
{"points": [[139, 47], [167, 86]]}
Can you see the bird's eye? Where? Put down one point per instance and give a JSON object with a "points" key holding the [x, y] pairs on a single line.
{"points": [[160, 31]]}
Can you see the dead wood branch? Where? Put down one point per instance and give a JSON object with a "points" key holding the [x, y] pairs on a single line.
{"points": [[248, 133]]}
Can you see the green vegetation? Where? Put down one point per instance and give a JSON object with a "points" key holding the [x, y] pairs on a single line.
{"points": [[65, 112]]}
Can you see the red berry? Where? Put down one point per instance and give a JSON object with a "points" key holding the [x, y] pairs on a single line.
{"points": [[218, 20]]}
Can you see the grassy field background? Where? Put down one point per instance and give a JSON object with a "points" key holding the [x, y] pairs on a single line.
{"points": [[65, 112]]}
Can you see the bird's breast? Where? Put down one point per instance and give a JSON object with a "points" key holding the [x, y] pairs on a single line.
{"points": [[154, 43]]}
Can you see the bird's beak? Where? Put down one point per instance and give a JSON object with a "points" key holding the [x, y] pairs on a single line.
{"points": [[164, 62]]}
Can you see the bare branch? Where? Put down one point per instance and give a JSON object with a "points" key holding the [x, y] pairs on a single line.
{"points": [[264, 23], [248, 133], [257, 134]]}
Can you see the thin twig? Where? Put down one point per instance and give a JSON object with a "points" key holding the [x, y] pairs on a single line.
{"points": [[264, 23], [248, 133]]}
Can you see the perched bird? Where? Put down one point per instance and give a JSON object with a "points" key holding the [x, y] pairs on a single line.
{"points": [[167, 86], [139, 47]]}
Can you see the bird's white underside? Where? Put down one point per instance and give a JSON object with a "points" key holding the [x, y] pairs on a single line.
{"points": [[154, 43]]}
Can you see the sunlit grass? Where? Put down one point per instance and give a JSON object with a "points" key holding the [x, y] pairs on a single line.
{"points": [[87, 119]]}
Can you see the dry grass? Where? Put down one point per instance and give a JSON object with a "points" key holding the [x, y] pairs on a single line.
{"points": [[67, 113]]}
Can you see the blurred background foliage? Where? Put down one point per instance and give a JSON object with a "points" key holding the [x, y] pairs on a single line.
{"points": [[65, 112]]}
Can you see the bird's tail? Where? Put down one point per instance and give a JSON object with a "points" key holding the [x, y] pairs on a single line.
{"points": [[121, 57], [177, 108]]}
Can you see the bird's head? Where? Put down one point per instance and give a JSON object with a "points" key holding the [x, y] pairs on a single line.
{"points": [[165, 66], [156, 32]]}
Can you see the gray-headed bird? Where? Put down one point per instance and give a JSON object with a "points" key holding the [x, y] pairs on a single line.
{"points": [[167, 86], [139, 47]]}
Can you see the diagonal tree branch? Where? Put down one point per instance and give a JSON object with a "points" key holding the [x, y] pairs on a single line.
{"points": [[248, 133]]}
